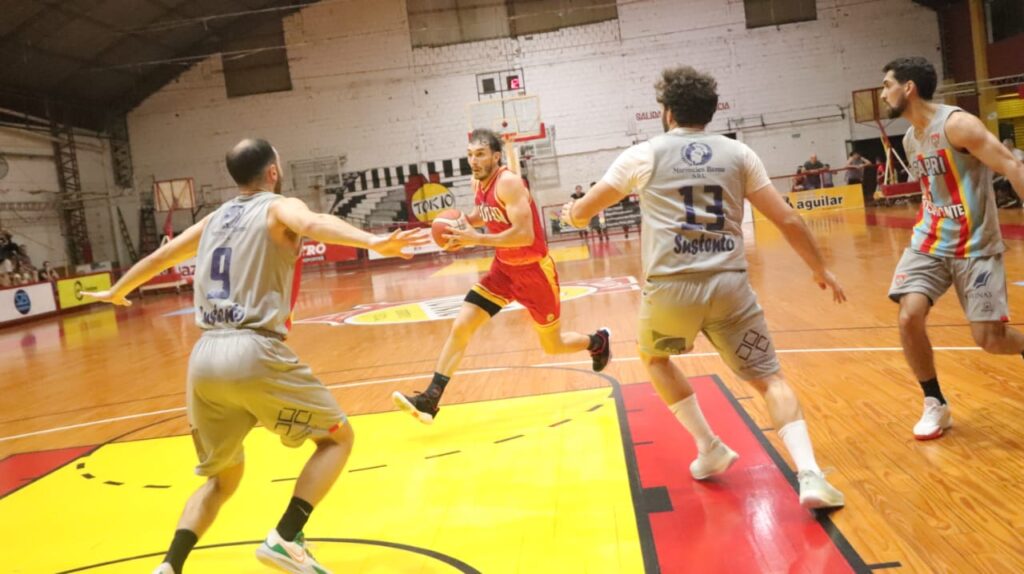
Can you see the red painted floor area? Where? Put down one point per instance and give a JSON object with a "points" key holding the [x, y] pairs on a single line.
{"points": [[748, 520], [18, 470], [1009, 230]]}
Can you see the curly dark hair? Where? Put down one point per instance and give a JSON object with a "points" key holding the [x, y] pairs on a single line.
{"points": [[915, 69], [691, 95], [487, 137]]}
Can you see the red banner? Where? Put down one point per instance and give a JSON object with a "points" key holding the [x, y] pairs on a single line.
{"points": [[317, 252]]}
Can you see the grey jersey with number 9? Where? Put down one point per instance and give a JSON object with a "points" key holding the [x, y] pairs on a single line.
{"points": [[692, 186], [243, 279]]}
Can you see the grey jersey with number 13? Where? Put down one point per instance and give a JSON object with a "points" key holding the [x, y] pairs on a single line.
{"points": [[693, 204]]}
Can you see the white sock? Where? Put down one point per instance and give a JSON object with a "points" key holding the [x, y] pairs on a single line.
{"points": [[688, 413], [798, 443]]}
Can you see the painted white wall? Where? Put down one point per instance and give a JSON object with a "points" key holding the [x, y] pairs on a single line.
{"points": [[360, 90], [32, 177]]}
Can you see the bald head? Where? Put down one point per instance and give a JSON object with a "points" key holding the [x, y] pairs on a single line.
{"points": [[249, 164]]}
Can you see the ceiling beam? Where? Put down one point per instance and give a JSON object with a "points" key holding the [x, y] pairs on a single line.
{"points": [[151, 83]]}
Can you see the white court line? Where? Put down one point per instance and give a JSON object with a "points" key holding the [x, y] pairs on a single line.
{"points": [[478, 371], [91, 423]]}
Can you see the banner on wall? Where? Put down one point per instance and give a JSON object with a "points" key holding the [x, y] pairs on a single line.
{"points": [[319, 252], [18, 303], [825, 199], [428, 199], [69, 291], [186, 270]]}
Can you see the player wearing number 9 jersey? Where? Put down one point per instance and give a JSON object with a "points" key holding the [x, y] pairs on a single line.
{"points": [[241, 372], [692, 186]]}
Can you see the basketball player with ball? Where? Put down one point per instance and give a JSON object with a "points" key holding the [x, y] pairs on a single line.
{"points": [[522, 271]]}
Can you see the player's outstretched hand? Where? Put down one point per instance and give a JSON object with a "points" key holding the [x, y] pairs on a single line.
{"points": [[108, 296], [392, 245], [566, 215], [826, 280]]}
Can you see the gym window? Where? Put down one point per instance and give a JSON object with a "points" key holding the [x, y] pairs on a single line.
{"points": [[761, 13]]}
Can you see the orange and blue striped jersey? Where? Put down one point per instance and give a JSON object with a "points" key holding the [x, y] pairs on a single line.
{"points": [[958, 216]]}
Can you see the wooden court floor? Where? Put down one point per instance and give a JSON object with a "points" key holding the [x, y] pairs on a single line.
{"points": [[564, 496]]}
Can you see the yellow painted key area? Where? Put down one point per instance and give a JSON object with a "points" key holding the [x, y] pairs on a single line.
{"points": [[532, 484]]}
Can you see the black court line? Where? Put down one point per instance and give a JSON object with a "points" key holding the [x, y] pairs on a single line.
{"points": [[368, 468], [656, 499], [86, 454], [636, 489], [455, 563], [157, 486], [82, 465], [746, 398], [443, 454], [643, 442], [884, 565], [854, 559], [595, 407], [499, 441], [284, 479], [559, 423], [113, 483]]}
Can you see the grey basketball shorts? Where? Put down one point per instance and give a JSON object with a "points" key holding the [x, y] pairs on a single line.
{"points": [[980, 282], [721, 305], [238, 378]]}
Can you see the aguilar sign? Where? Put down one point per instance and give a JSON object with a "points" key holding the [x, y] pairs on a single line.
{"points": [[825, 199]]}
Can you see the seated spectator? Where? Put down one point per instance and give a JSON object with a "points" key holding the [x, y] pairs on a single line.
{"points": [[5, 279], [23, 273], [799, 179], [48, 273], [855, 168], [826, 176], [813, 168]]}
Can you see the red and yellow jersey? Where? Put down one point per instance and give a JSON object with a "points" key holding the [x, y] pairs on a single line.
{"points": [[496, 219]]}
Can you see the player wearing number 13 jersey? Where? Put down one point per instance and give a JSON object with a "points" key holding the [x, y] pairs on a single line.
{"points": [[692, 186], [241, 372]]}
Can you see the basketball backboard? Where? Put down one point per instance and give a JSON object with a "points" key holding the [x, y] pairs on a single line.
{"points": [[868, 106], [517, 118], [173, 194]]}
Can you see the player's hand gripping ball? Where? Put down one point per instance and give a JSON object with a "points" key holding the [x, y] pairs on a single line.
{"points": [[448, 218]]}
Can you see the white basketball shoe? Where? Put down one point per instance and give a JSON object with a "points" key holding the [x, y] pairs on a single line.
{"points": [[816, 492], [288, 556], [935, 419], [716, 460]]}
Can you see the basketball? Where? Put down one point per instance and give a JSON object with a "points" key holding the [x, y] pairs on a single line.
{"points": [[438, 227]]}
